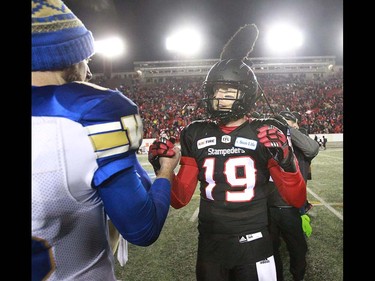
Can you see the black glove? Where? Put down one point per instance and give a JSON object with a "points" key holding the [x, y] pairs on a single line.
{"points": [[277, 144], [159, 148]]}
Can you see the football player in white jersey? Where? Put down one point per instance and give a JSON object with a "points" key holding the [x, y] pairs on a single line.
{"points": [[84, 165]]}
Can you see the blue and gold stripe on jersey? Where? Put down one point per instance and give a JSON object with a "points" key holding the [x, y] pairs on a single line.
{"points": [[116, 137], [108, 139]]}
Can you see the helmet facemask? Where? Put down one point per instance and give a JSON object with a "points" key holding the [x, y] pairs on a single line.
{"points": [[224, 107]]}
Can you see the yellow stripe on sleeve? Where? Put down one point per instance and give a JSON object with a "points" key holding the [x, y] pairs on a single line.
{"points": [[109, 140]]}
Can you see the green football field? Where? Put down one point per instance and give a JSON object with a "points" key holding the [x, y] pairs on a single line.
{"points": [[172, 256]]}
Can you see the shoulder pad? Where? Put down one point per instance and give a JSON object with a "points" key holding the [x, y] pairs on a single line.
{"points": [[259, 122], [303, 131], [196, 123], [87, 88], [92, 85]]}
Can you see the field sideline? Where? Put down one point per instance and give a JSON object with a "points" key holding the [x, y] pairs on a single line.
{"points": [[172, 256]]}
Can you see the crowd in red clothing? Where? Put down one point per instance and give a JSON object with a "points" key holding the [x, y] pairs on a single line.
{"points": [[319, 101], [168, 106]]}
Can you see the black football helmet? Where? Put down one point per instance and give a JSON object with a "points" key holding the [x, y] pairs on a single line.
{"points": [[236, 74]]}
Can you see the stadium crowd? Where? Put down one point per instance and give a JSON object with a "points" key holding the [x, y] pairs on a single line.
{"points": [[166, 107]]}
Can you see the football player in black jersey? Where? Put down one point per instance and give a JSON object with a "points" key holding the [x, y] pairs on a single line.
{"points": [[233, 158]]}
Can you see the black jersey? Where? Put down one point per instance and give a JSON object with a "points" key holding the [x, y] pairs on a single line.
{"points": [[232, 174]]}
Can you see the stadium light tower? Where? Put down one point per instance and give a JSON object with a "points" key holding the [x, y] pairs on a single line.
{"points": [[109, 48], [284, 39], [184, 42]]}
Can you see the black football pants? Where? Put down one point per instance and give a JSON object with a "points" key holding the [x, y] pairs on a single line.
{"points": [[286, 223]]}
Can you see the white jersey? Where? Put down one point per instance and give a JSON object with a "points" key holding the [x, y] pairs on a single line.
{"points": [[60, 213], [69, 226]]}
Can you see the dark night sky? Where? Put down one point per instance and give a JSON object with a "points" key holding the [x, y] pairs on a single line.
{"points": [[144, 24]]}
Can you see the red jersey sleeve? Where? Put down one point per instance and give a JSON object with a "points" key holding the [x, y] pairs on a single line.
{"points": [[291, 186], [184, 183]]}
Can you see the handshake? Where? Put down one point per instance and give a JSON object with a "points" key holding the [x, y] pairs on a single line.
{"points": [[162, 147]]}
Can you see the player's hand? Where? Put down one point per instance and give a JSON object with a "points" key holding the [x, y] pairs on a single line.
{"points": [[277, 144], [160, 148]]}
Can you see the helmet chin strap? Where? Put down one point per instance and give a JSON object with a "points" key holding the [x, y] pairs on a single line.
{"points": [[223, 117], [229, 118], [233, 115]]}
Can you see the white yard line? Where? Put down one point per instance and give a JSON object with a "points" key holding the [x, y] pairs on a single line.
{"points": [[329, 156], [195, 215], [321, 200], [326, 204]]}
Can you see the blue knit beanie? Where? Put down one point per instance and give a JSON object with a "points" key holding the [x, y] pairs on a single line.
{"points": [[59, 38]]}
